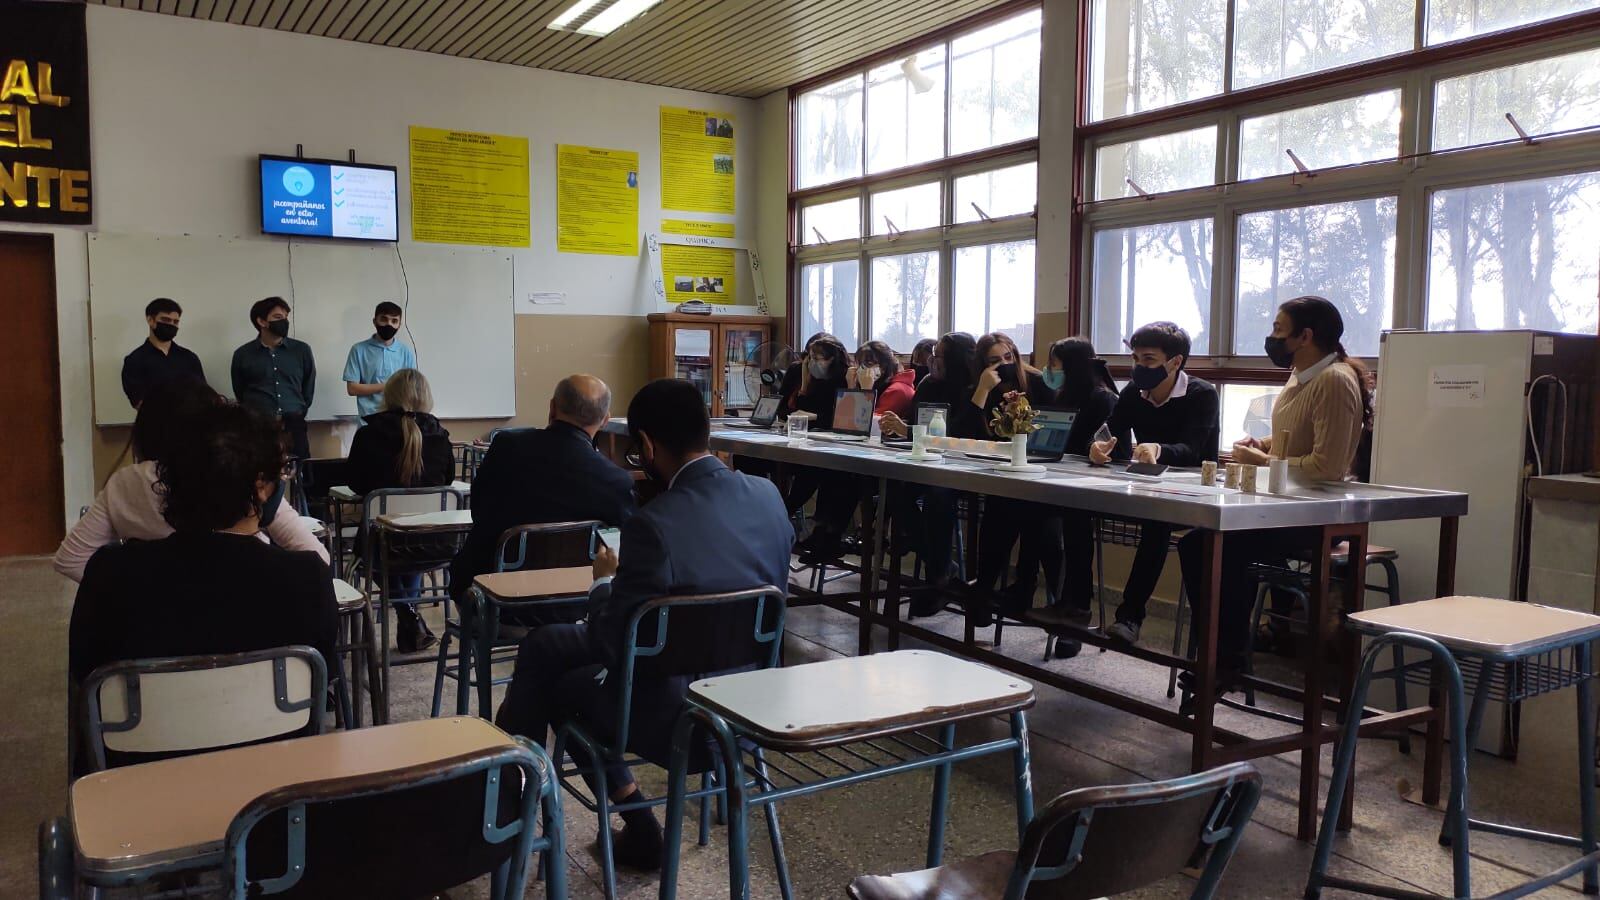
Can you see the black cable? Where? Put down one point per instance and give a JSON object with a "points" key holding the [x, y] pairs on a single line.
{"points": [[290, 244], [405, 305]]}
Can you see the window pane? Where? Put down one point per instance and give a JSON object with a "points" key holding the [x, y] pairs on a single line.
{"points": [[1277, 39], [824, 223], [1146, 54], [1341, 133], [1168, 162], [1545, 95], [994, 82], [828, 128], [909, 208], [994, 290], [1011, 191], [1516, 255], [1152, 273], [1341, 251], [1450, 20], [1247, 411], [905, 299], [905, 111], [830, 299]]}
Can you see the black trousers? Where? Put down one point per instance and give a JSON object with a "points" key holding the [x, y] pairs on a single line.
{"points": [[1239, 550], [1149, 558], [294, 425], [1032, 527]]}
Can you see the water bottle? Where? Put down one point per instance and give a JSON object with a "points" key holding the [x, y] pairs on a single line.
{"points": [[936, 425]]}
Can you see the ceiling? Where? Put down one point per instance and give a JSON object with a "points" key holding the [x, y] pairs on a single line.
{"points": [[746, 48]]}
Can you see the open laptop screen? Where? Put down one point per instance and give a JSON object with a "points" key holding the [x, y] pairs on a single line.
{"points": [[1055, 426], [852, 412], [766, 411]]}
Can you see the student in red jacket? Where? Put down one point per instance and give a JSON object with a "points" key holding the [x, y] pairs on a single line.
{"points": [[877, 369]]}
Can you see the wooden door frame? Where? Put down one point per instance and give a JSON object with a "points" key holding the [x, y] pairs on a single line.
{"points": [[48, 242]]}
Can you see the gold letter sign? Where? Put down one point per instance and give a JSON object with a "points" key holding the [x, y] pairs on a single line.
{"points": [[44, 114]]}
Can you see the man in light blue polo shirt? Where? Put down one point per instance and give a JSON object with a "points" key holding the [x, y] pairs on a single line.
{"points": [[372, 361]]}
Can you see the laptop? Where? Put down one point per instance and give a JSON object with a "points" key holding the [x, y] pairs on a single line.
{"points": [[765, 413], [1049, 443], [852, 417]]}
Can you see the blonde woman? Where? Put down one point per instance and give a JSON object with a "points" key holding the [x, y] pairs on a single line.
{"points": [[403, 445]]}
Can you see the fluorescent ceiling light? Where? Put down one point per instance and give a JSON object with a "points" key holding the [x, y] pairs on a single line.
{"points": [[598, 18]]}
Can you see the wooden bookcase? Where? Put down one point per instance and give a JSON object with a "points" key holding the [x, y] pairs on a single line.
{"points": [[709, 351]]}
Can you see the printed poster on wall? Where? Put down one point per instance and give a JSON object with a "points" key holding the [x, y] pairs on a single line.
{"points": [[597, 200], [692, 228], [469, 188], [697, 273], [696, 160], [44, 114]]}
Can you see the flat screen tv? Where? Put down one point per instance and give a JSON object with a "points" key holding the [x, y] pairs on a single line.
{"points": [[325, 198]]}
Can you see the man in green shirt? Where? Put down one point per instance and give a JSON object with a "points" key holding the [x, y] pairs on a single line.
{"points": [[275, 373]]}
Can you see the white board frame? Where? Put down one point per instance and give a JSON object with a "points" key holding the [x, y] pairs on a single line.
{"points": [[653, 242]]}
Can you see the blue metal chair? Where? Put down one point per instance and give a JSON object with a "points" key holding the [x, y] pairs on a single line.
{"points": [[154, 708], [698, 613], [475, 814], [538, 546], [1100, 841]]}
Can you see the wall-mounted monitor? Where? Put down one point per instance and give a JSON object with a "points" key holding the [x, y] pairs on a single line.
{"points": [[325, 198]]}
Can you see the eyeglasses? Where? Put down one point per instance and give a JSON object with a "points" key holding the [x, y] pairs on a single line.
{"points": [[634, 457]]}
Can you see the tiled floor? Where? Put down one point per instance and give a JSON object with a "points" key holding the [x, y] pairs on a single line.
{"points": [[880, 826]]}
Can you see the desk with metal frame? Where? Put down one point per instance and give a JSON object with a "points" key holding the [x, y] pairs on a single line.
{"points": [[1339, 511], [449, 527]]}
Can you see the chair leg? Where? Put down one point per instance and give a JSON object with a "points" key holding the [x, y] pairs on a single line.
{"points": [[1586, 798], [1180, 621], [1099, 576], [483, 656], [1480, 704], [1022, 772], [465, 655], [602, 802], [554, 858], [707, 779], [941, 799], [1398, 658], [780, 861], [376, 692], [497, 881], [439, 668]]}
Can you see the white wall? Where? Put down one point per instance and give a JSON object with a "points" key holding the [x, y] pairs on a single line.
{"points": [[180, 108]]}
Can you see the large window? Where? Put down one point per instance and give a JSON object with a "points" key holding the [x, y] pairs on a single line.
{"points": [[915, 186]]}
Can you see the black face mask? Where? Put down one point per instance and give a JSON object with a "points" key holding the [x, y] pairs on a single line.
{"points": [[164, 331], [920, 372], [387, 332], [269, 509], [1148, 378], [279, 327], [1278, 351], [1007, 372]]}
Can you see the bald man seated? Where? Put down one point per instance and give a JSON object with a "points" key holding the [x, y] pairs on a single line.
{"points": [[541, 475]]}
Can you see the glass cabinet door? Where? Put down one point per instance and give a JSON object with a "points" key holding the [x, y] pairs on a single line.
{"points": [[692, 359], [739, 343]]}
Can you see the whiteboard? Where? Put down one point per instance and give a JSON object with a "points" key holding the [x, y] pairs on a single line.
{"points": [[459, 311]]}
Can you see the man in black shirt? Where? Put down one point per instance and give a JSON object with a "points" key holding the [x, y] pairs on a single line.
{"points": [[1175, 420], [276, 374], [159, 359]]}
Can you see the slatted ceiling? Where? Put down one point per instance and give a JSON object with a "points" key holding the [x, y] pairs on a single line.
{"points": [[742, 47]]}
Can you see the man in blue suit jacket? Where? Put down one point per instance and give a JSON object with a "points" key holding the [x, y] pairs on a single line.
{"points": [[713, 530]]}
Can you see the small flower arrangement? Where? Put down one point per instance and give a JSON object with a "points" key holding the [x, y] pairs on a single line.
{"points": [[1014, 416]]}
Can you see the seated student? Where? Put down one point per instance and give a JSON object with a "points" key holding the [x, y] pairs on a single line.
{"points": [[129, 508], [712, 530], [1175, 417], [876, 369], [212, 586], [1322, 412], [551, 474], [920, 354], [822, 376], [159, 359], [403, 446]]}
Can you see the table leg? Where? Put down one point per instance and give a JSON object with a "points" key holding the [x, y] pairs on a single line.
{"points": [[1205, 608], [1449, 532], [1022, 773], [370, 654], [1586, 799], [380, 588], [1349, 653], [869, 582], [1311, 708], [941, 799], [1444, 586]]}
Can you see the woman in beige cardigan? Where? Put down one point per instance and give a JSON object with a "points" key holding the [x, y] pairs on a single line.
{"points": [[1317, 423]]}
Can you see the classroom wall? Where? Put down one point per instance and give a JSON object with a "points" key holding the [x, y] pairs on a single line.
{"points": [[1058, 88], [180, 109]]}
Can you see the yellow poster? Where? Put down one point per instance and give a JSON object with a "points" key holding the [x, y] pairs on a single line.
{"points": [[469, 188], [597, 200], [697, 229], [697, 273], [696, 160]]}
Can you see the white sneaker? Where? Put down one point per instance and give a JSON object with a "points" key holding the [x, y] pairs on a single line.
{"points": [[1126, 632]]}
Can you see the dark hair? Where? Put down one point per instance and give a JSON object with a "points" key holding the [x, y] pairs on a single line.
{"points": [[959, 352], [1083, 370], [165, 416], [881, 354], [388, 308], [822, 336], [1164, 336], [834, 347], [1327, 333], [161, 305], [263, 308], [209, 480], [925, 346], [997, 338], [673, 413]]}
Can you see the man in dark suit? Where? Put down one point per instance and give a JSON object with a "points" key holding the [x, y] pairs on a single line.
{"points": [[712, 530], [551, 474]]}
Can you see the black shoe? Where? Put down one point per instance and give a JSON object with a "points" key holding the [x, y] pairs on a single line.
{"points": [[822, 546], [1061, 614], [976, 601], [1066, 649], [1227, 683], [1016, 601], [926, 604], [414, 636], [637, 847]]}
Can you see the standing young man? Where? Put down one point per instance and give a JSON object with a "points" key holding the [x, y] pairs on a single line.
{"points": [[372, 361], [159, 359], [275, 373]]}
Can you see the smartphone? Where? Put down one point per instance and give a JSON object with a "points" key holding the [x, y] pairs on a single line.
{"points": [[1151, 470], [613, 539]]}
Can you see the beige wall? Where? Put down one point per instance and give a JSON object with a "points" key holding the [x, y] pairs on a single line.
{"points": [[549, 348]]}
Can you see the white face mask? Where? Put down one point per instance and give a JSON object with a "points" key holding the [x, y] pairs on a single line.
{"points": [[819, 369], [869, 376]]}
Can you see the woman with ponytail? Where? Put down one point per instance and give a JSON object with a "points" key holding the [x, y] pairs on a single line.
{"points": [[403, 446]]}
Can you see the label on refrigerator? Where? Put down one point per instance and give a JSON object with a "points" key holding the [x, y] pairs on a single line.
{"points": [[1455, 387]]}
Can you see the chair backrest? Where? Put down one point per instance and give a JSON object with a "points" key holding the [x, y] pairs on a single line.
{"points": [[548, 545], [715, 633], [403, 502], [315, 478], [1104, 841], [188, 704], [459, 817]]}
